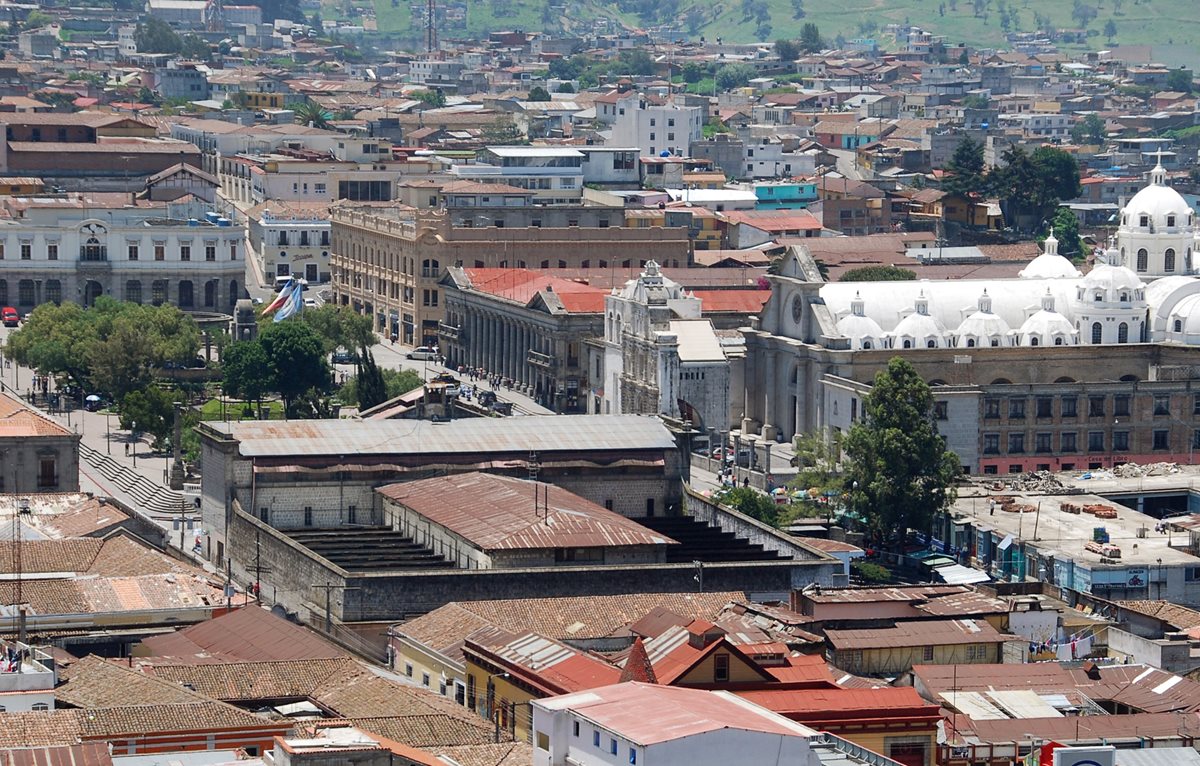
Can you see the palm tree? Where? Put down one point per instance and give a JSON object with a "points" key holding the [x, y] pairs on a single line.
{"points": [[312, 114]]}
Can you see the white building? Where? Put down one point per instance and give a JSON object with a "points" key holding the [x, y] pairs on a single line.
{"points": [[289, 238], [553, 173], [657, 128], [660, 356], [611, 165], [638, 724], [27, 676], [79, 247]]}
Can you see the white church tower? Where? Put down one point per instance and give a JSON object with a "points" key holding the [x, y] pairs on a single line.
{"points": [[1157, 234]]}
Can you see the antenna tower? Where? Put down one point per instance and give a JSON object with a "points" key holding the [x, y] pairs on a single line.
{"points": [[430, 25]]}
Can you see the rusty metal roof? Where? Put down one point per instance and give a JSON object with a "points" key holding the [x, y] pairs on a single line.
{"points": [[521, 435], [500, 513]]}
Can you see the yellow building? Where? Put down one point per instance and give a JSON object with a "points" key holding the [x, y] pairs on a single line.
{"points": [[894, 650]]}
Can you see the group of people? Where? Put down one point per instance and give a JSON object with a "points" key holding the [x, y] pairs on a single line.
{"points": [[495, 380]]}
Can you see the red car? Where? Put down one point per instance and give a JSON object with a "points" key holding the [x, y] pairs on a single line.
{"points": [[9, 316]]}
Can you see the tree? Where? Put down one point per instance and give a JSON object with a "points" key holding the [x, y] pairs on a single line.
{"points": [[1179, 80], [810, 38], [538, 93], [435, 98], [898, 471], [1110, 30], [693, 72], [112, 347], [193, 47], [297, 358], [369, 385], [565, 87], [1089, 130], [155, 36], [395, 383], [797, 9], [1066, 230], [1030, 186], [316, 22], [152, 411], [965, 170], [787, 50], [751, 502], [312, 114], [878, 274], [733, 76], [503, 131], [246, 371]]}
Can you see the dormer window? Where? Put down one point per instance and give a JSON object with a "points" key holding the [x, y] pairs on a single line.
{"points": [[1098, 297], [1124, 297], [1171, 220], [1143, 220]]}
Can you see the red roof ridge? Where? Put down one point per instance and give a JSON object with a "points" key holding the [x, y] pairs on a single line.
{"points": [[637, 665]]}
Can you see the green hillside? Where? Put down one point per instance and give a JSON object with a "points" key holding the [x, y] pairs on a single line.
{"points": [[1161, 23]]}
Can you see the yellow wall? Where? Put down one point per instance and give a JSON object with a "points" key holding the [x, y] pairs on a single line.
{"points": [[408, 652], [877, 742], [511, 703], [705, 672]]}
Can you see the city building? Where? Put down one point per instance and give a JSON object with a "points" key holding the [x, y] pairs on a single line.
{"points": [[27, 678], [657, 128], [888, 651], [37, 454], [77, 247], [289, 239], [553, 173]]}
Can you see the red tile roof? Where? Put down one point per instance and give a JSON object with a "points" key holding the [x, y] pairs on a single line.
{"points": [[820, 706], [637, 664], [521, 285], [732, 301], [248, 634], [19, 420]]}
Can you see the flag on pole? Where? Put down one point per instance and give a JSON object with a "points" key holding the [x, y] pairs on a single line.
{"points": [[284, 294], [294, 304]]}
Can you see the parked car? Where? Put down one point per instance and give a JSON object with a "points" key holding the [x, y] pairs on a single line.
{"points": [[423, 353], [342, 356], [9, 316]]}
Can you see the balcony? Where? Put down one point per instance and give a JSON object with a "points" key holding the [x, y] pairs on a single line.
{"points": [[93, 253], [538, 359], [449, 332]]}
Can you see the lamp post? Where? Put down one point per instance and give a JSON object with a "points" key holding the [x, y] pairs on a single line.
{"points": [[134, 433]]}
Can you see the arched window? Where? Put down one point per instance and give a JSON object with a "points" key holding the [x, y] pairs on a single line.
{"points": [[995, 342], [931, 344], [133, 291], [1143, 259], [970, 343], [4, 292], [1097, 332], [1178, 325], [908, 344], [866, 344], [1033, 340], [1169, 260], [1123, 333], [1124, 297], [546, 264], [234, 293], [1099, 296], [54, 291], [1058, 341], [187, 298]]}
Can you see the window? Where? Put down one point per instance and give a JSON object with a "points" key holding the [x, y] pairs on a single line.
{"points": [[160, 251], [308, 519], [1016, 409], [612, 746], [991, 444], [1162, 439], [1171, 219], [133, 252], [1123, 333], [1097, 332], [1016, 444], [233, 251], [927, 654], [1045, 407], [1069, 404], [47, 472], [633, 756], [1143, 259], [319, 188], [52, 251], [408, 669], [1196, 404], [425, 680], [133, 291], [39, 707], [1120, 441], [1095, 441], [1095, 406], [1120, 405], [575, 728], [1043, 442], [1067, 442], [1169, 260], [1196, 439], [941, 410], [595, 739], [25, 295], [26, 251], [1162, 404], [991, 408], [1143, 220], [210, 252], [185, 252], [54, 291], [721, 668]]}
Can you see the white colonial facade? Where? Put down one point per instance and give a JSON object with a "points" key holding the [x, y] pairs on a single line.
{"points": [[78, 248], [289, 239]]}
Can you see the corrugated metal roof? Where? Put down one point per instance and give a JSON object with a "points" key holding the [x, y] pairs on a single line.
{"points": [[501, 513], [540, 433]]}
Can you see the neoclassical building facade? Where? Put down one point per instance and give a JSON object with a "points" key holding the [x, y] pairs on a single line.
{"points": [[1119, 380]]}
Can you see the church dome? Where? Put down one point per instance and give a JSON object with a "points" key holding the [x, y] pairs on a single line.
{"points": [[1049, 265], [1156, 206], [1111, 284], [863, 331], [1047, 327], [919, 329], [1184, 322], [983, 328]]}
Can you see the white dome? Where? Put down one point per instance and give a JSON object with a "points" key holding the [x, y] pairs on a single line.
{"points": [[1158, 202], [860, 328], [1111, 282], [1050, 328], [919, 328], [1049, 266], [1184, 320]]}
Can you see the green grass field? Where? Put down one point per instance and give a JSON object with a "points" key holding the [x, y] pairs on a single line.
{"points": [[1171, 26]]}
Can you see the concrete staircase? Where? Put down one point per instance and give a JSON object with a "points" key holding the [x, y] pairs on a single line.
{"points": [[154, 499]]}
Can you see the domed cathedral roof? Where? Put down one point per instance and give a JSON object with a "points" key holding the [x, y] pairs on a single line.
{"points": [[983, 328], [1157, 206], [919, 329], [1047, 327], [1049, 264], [863, 331], [1183, 323], [1111, 284], [1157, 235]]}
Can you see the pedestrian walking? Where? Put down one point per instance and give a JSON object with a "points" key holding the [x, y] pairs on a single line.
{"points": [[127, 449]]}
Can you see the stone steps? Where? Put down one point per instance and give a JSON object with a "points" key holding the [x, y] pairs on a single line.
{"points": [[153, 498]]}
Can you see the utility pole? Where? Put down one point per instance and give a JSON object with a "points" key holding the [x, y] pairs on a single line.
{"points": [[699, 576], [329, 587]]}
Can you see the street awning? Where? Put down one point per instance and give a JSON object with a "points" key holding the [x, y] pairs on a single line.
{"points": [[957, 574]]}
